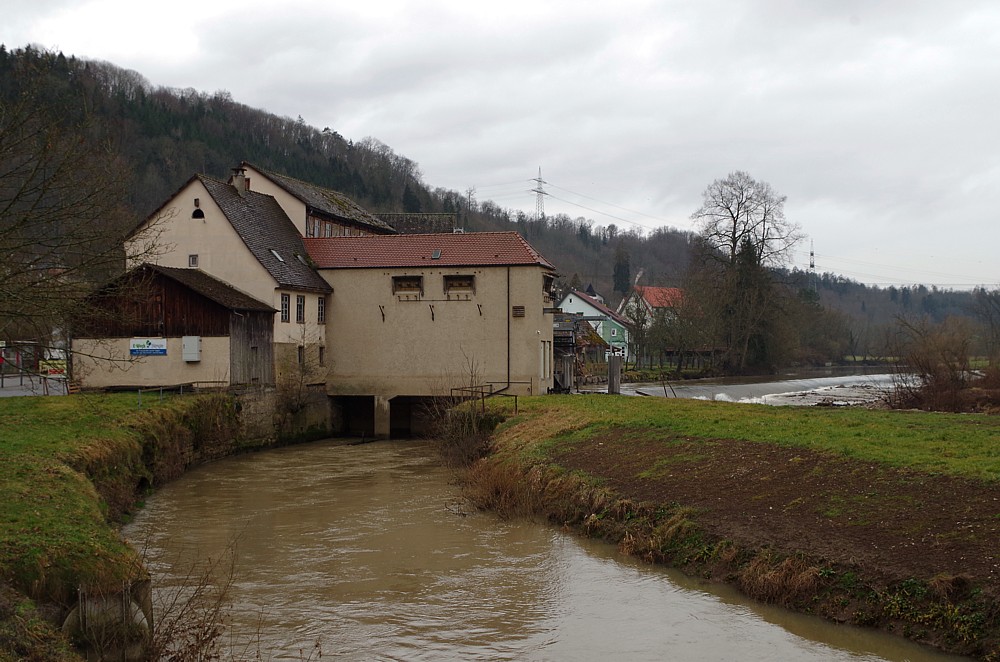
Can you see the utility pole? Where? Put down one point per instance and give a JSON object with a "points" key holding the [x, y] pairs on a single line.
{"points": [[539, 196]]}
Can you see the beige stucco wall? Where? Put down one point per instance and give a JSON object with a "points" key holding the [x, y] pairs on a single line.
{"points": [[103, 363], [222, 254], [429, 344], [220, 250]]}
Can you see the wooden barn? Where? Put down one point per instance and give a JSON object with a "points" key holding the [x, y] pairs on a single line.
{"points": [[167, 326]]}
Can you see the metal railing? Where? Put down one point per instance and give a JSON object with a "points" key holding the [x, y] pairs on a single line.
{"points": [[484, 391]]}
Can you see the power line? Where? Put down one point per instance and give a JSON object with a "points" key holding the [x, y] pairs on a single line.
{"points": [[610, 204], [517, 183], [603, 213]]}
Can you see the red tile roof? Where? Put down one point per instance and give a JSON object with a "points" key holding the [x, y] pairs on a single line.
{"points": [[418, 250], [661, 297]]}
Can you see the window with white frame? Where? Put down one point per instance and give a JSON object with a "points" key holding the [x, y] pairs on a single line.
{"points": [[286, 307], [300, 308]]}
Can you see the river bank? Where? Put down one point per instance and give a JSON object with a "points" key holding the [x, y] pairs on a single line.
{"points": [[369, 552], [71, 469], [880, 519]]}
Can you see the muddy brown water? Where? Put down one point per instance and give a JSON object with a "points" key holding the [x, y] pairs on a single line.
{"points": [[368, 552]]}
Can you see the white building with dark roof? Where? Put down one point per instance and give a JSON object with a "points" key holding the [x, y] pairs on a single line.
{"points": [[382, 321], [245, 239]]}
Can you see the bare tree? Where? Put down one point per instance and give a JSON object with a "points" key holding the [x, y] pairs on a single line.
{"points": [[62, 214], [639, 318], [742, 233], [986, 307], [739, 211]]}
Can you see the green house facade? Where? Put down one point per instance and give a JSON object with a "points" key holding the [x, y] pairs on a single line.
{"points": [[611, 326]]}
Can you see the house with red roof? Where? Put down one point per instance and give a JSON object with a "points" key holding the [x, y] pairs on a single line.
{"points": [[416, 316], [378, 321], [652, 299], [682, 344]]}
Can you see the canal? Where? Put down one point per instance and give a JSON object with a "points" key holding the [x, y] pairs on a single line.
{"points": [[369, 552]]}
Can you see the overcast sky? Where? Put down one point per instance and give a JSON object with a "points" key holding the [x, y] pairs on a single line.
{"points": [[876, 118]]}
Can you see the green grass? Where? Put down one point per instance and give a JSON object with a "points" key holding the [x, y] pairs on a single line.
{"points": [[956, 444], [54, 533]]}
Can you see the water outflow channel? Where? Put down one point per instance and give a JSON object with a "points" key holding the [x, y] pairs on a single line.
{"points": [[369, 551]]}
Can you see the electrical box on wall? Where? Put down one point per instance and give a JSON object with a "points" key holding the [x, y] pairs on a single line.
{"points": [[191, 348]]}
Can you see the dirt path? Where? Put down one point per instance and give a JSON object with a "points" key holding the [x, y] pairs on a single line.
{"points": [[892, 523]]}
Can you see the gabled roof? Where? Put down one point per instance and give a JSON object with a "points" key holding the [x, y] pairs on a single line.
{"points": [[419, 250], [660, 297], [600, 307], [326, 201], [268, 233], [211, 288]]}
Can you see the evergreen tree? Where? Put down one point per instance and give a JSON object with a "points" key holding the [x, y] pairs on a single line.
{"points": [[623, 271]]}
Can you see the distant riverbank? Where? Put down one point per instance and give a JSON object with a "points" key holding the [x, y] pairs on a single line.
{"points": [[876, 518]]}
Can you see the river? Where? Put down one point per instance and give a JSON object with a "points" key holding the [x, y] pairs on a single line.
{"points": [[368, 552], [815, 386]]}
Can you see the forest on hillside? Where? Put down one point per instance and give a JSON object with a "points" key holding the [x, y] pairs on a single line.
{"points": [[160, 137]]}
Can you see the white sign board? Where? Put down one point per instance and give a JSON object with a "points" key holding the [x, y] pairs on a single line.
{"points": [[147, 347]]}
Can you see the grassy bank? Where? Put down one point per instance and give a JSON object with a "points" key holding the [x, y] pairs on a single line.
{"points": [[876, 518], [955, 444], [70, 469]]}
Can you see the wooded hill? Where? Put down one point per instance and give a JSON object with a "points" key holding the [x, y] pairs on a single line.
{"points": [[165, 135]]}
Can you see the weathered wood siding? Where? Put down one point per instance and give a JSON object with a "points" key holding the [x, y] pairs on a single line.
{"points": [[155, 307], [251, 348]]}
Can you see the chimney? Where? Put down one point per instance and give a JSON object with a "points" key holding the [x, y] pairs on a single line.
{"points": [[239, 179]]}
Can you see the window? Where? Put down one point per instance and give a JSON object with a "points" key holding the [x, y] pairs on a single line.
{"points": [[198, 214], [277, 255], [407, 284], [286, 305], [300, 308], [322, 356], [321, 310], [193, 261], [517, 311], [302, 355], [614, 333], [459, 283]]}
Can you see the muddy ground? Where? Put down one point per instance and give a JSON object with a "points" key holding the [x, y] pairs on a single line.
{"points": [[891, 523]]}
